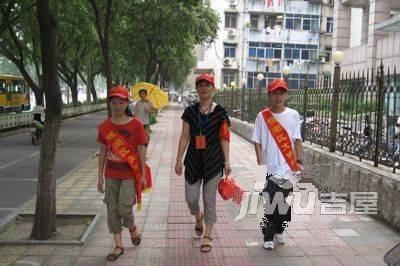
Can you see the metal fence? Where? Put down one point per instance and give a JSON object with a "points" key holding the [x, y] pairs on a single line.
{"points": [[17, 120], [354, 113]]}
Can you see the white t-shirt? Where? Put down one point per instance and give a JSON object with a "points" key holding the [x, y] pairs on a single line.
{"points": [[143, 116], [271, 155]]}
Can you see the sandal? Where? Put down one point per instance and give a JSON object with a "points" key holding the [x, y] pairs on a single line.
{"points": [[199, 229], [206, 247], [137, 239], [113, 256]]}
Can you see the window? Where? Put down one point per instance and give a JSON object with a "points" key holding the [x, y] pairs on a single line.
{"points": [[273, 20], [18, 87], [300, 51], [228, 76], [304, 54], [306, 24], [260, 52], [230, 20], [2, 86], [302, 22], [293, 23], [288, 53], [314, 25], [331, 2], [296, 53], [265, 50], [252, 52], [229, 50], [254, 21], [328, 54], [277, 53], [313, 54], [289, 24], [297, 24], [329, 25]]}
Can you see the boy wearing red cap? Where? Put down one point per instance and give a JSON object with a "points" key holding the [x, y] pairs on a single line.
{"points": [[278, 145]]}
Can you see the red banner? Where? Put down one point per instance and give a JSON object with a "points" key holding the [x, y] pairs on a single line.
{"points": [[281, 138]]}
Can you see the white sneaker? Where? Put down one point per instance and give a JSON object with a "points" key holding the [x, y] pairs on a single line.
{"points": [[268, 245], [280, 238]]}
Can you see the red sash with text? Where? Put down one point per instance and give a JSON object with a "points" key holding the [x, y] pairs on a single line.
{"points": [[127, 152], [281, 138]]}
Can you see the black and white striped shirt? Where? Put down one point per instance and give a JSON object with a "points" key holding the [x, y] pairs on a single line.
{"points": [[209, 162]]}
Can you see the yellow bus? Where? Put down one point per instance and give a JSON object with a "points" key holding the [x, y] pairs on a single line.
{"points": [[14, 94]]}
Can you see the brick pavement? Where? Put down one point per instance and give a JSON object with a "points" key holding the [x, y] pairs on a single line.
{"points": [[167, 227]]}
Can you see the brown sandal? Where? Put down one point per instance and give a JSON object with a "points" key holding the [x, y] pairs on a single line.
{"points": [[206, 247], [199, 229], [137, 239], [113, 256]]}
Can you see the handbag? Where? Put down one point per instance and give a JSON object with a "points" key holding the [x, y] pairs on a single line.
{"points": [[228, 188], [153, 119]]}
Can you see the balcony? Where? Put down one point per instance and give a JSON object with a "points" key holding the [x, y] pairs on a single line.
{"points": [[288, 36], [318, 2], [292, 7]]}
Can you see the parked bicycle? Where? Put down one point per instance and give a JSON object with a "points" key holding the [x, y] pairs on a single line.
{"points": [[396, 155], [367, 147]]}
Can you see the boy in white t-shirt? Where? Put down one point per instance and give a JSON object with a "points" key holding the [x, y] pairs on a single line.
{"points": [[270, 155]]}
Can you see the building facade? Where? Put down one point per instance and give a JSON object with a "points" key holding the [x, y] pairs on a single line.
{"points": [[263, 36], [377, 40]]}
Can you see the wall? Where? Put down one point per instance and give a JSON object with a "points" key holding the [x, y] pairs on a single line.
{"points": [[16, 120]]}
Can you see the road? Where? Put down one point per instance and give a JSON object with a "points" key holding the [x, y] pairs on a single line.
{"points": [[19, 159]]}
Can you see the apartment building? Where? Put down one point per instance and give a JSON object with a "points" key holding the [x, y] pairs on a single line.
{"points": [[263, 36]]}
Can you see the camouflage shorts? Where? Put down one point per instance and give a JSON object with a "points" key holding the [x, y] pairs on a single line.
{"points": [[120, 199]]}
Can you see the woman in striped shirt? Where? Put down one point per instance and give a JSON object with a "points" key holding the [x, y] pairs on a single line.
{"points": [[205, 134]]}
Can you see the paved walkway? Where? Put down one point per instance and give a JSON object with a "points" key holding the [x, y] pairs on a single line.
{"points": [[167, 227]]}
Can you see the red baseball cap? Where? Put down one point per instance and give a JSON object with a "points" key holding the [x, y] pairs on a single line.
{"points": [[206, 77], [277, 84], [119, 91]]}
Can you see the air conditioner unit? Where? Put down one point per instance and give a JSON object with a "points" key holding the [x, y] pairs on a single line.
{"points": [[227, 62], [322, 59], [232, 33]]}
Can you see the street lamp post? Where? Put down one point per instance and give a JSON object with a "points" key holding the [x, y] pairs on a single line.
{"points": [[244, 81], [232, 87], [224, 86], [260, 78], [337, 58], [286, 71]]}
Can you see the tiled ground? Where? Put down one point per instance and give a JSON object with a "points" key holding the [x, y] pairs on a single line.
{"points": [[167, 227]]}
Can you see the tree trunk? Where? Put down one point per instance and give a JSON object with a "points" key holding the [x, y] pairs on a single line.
{"points": [[150, 69], [44, 223], [38, 96], [89, 81], [93, 90], [74, 89]]}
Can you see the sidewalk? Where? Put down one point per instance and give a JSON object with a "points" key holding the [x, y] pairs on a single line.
{"points": [[167, 227]]}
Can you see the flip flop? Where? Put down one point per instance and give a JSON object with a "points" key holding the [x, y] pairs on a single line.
{"points": [[206, 247], [137, 239], [113, 256]]}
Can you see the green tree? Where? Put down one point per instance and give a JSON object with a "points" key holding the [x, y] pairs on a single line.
{"points": [[44, 223]]}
